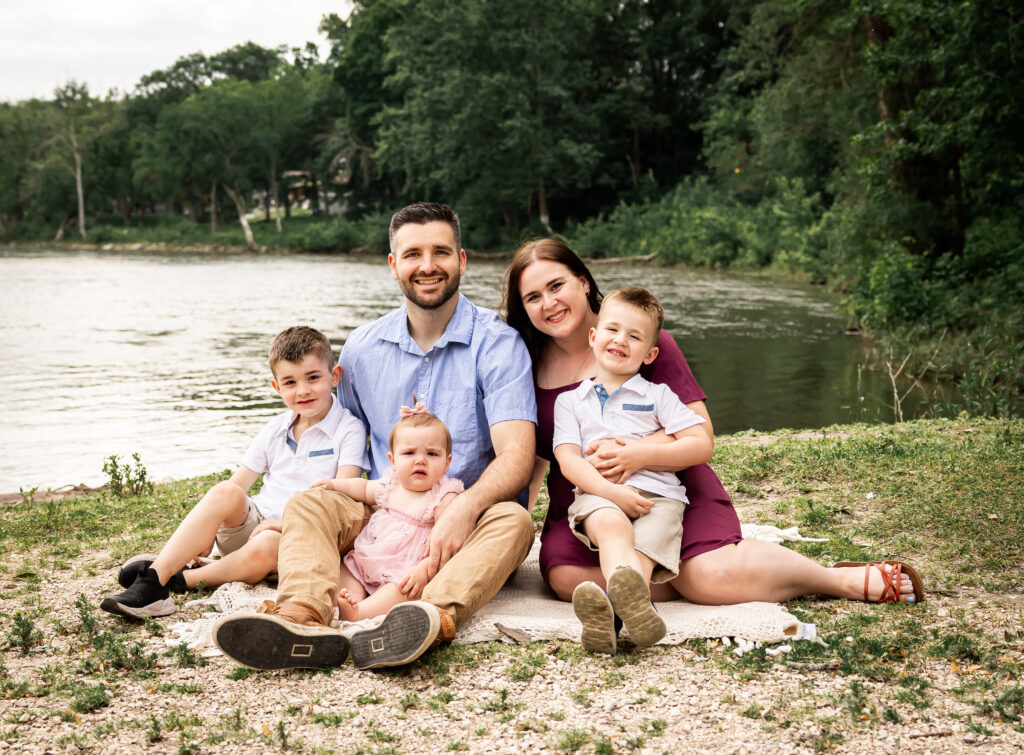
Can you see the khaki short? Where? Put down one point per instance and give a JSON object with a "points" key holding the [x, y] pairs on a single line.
{"points": [[230, 539], [658, 534]]}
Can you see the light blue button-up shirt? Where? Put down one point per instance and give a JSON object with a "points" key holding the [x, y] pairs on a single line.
{"points": [[476, 375]]}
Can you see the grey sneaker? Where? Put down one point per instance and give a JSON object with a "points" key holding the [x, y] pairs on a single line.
{"points": [[268, 642], [145, 598], [595, 613], [406, 633], [631, 598]]}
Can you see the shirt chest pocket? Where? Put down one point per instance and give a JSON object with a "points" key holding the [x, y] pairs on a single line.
{"points": [[638, 407], [322, 462]]}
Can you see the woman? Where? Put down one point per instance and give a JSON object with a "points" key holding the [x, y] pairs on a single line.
{"points": [[552, 300]]}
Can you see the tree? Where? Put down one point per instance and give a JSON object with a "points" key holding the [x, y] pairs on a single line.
{"points": [[84, 120]]}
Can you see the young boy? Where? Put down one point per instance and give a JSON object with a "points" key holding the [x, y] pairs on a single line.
{"points": [[636, 528], [316, 438]]}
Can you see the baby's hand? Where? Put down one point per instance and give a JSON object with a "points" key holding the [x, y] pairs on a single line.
{"points": [[632, 503], [414, 581], [324, 483], [405, 411]]}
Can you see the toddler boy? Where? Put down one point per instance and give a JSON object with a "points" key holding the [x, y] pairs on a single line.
{"points": [[316, 438], [636, 528]]}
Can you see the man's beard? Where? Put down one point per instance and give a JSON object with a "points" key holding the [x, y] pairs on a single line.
{"points": [[451, 287]]}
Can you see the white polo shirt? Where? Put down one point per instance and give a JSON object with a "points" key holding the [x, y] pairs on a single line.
{"points": [[637, 409], [288, 467]]}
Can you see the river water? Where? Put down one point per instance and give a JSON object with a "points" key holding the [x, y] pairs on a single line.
{"points": [[165, 354]]}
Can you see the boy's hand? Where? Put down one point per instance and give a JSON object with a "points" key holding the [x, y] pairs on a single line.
{"points": [[632, 503], [615, 458], [414, 581], [273, 525]]}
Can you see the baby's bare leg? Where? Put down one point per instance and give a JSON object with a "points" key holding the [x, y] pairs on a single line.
{"points": [[350, 592], [387, 597]]}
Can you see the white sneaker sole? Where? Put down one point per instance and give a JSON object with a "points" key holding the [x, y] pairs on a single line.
{"points": [[158, 608], [631, 598], [594, 611]]}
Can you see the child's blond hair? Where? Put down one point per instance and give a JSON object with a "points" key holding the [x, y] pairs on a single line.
{"points": [[638, 298]]}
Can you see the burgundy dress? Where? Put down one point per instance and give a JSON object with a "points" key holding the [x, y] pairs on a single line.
{"points": [[710, 520]]}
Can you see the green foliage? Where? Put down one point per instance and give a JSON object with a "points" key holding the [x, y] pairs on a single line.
{"points": [[701, 224], [23, 633], [127, 480]]}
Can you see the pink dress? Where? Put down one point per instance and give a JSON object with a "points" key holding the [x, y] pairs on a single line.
{"points": [[392, 541]]}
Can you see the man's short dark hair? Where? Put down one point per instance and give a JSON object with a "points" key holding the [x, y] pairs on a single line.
{"points": [[293, 344], [422, 213]]}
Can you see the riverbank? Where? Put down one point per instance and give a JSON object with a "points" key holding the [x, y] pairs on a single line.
{"points": [[943, 676]]}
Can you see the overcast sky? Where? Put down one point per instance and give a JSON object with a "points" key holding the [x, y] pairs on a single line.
{"points": [[113, 43]]}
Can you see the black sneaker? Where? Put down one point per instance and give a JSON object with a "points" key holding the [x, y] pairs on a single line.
{"points": [[134, 566], [144, 599], [407, 632]]}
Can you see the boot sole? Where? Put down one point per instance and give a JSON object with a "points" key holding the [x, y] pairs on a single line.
{"points": [[631, 598], [157, 608], [407, 632], [595, 613], [268, 643]]}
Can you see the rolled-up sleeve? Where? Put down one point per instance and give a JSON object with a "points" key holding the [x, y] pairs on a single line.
{"points": [[505, 378]]}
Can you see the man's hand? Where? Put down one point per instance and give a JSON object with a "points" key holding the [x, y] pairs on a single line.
{"points": [[615, 458], [414, 581], [632, 503], [448, 534], [267, 524]]}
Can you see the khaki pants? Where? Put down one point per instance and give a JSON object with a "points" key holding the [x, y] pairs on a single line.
{"points": [[320, 526]]}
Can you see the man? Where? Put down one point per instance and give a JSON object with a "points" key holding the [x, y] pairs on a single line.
{"points": [[473, 372]]}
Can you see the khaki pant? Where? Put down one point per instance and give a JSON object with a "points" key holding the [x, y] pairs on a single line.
{"points": [[320, 525]]}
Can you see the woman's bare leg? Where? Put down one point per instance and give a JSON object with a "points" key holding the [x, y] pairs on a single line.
{"points": [[755, 570], [741, 572]]}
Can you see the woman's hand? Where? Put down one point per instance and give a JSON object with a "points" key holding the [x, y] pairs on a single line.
{"points": [[615, 458], [274, 525]]}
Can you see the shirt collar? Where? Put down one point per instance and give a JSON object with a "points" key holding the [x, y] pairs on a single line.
{"points": [[636, 384], [458, 330], [328, 425]]}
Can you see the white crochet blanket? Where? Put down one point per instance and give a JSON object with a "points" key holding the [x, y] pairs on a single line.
{"points": [[525, 610]]}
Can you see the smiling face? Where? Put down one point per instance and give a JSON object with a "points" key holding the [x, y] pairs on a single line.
{"points": [[306, 386], [555, 300], [420, 456], [426, 263], [622, 340]]}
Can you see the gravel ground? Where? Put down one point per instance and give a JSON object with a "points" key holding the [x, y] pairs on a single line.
{"points": [[534, 698]]}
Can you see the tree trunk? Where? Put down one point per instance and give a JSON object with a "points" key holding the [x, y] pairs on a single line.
{"points": [[79, 191], [213, 208], [273, 194], [126, 211], [236, 197], [266, 206], [61, 228], [542, 205]]}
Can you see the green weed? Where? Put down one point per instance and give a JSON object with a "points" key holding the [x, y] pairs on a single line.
{"points": [[126, 480]]}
